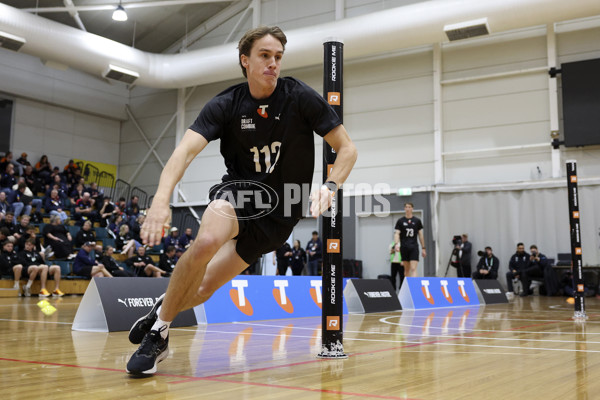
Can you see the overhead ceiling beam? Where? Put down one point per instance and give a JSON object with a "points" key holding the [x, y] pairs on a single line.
{"points": [[237, 24], [111, 7], [73, 12], [209, 25]]}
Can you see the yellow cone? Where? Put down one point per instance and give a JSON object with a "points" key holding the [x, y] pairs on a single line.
{"points": [[46, 307]]}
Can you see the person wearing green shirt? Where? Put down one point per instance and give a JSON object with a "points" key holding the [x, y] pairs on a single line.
{"points": [[396, 262]]}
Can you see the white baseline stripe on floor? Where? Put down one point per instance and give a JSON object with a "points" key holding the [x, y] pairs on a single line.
{"points": [[408, 341], [36, 322]]}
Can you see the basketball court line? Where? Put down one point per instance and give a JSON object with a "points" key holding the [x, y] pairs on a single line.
{"points": [[187, 379], [40, 298], [570, 319], [432, 335], [38, 322], [417, 326], [412, 342], [213, 379]]}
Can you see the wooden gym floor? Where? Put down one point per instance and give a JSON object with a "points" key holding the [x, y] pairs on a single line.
{"points": [[527, 349]]}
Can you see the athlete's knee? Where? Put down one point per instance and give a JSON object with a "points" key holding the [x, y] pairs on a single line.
{"points": [[204, 293], [206, 243]]}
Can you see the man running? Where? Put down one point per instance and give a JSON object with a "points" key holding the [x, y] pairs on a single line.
{"points": [[266, 130]]}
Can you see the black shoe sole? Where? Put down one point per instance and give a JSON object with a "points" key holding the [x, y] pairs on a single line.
{"points": [[144, 324]]}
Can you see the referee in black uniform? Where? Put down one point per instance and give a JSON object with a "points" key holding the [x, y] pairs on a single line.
{"points": [[265, 127], [407, 229]]}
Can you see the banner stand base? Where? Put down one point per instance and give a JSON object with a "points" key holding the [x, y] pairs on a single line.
{"points": [[336, 351], [580, 316]]}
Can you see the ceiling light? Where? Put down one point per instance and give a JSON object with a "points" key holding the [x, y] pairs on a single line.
{"points": [[119, 14]]}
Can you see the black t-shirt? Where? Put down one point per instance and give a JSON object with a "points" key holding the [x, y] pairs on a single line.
{"points": [[137, 258], [56, 230], [109, 263], [269, 140], [7, 261], [84, 236], [409, 230], [27, 258], [166, 263]]}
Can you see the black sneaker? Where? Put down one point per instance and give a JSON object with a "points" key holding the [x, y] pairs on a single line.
{"points": [[153, 350], [144, 324]]}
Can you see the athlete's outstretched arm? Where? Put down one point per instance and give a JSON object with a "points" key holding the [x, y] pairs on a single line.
{"points": [[158, 214], [346, 152]]}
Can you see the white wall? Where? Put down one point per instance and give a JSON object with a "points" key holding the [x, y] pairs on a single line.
{"points": [[63, 134], [25, 76], [63, 114]]}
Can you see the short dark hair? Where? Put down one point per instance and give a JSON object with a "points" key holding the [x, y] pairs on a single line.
{"points": [[520, 244], [409, 204], [315, 233], [31, 240], [169, 249], [533, 246], [488, 247], [247, 41]]}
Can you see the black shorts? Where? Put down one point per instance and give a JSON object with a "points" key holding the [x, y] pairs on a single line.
{"points": [[85, 270], [409, 253], [25, 272], [257, 236]]}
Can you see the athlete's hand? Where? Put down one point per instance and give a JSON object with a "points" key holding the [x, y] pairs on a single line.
{"points": [[157, 219], [424, 253], [320, 201]]}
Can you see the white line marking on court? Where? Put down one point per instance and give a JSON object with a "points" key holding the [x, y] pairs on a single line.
{"points": [[440, 343], [32, 304], [38, 322], [483, 318], [384, 320], [433, 336]]}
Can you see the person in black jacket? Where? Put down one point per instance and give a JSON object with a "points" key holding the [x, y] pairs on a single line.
{"points": [[487, 268], [9, 262], [535, 269], [110, 263], [58, 237], [298, 258], [283, 256], [518, 262], [85, 234], [168, 260], [143, 264], [33, 266], [464, 268], [85, 265], [314, 248]]}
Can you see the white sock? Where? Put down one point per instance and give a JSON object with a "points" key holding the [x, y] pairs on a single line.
{"points": [[162, 327], [16, 286], [29, 283]]}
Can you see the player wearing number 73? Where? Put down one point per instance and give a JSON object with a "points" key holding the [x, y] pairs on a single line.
{"points": [[405, 237], [265, 127]]}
